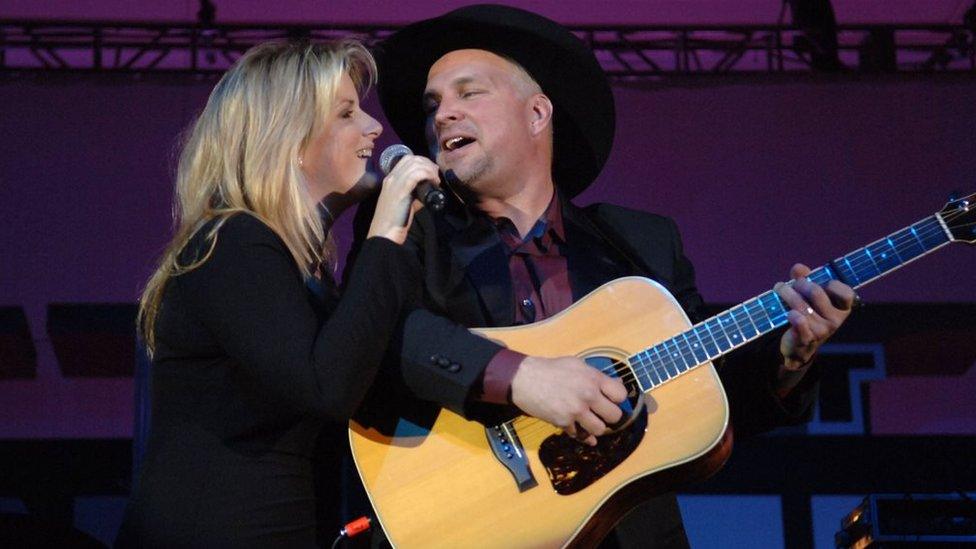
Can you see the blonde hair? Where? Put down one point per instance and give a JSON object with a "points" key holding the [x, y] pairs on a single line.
{"points": [[242, 155]]}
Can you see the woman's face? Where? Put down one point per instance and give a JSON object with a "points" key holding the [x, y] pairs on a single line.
{"points": [[335, 158]]}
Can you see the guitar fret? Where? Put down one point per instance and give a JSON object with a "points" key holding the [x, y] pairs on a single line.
{"points": [[673, 362], [895, 249], [707, 340], [696, 346], [831, 275], [874, 261], [908, 246], [773, 304], [681, 342], [722, 340], [915, 234], [848, 275], [863, 265], [659, 363], [821, 276], [885, 257], [731, 329], [745, 324], [933, 234], [637, 365], [640, 364], [651, 371], [685, 360], [758, 315]]}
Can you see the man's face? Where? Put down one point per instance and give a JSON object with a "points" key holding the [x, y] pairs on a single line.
{"points": [[478, 118]]}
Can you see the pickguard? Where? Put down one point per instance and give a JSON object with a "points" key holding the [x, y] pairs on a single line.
{"points": [[572, 466]]}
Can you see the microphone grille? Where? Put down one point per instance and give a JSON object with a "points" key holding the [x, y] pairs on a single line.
{"points": [[390, 156]]}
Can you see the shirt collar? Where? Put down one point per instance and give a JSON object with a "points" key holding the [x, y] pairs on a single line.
{"points": [[546, 230]]}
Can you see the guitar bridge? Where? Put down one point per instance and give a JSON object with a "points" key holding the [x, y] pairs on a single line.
{"points": [[507, 447]]}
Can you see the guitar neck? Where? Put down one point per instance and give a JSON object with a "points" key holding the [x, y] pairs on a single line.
{"points": [[766, 312]]}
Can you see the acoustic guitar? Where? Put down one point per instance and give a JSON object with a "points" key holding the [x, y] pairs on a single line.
{"points": [[455, 483]]}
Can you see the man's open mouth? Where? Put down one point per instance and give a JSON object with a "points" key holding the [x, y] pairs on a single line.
{"points": [[455, 143]]}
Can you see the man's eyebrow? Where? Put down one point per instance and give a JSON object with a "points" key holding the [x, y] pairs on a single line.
{"points": [[463, 80], [456, 83]]}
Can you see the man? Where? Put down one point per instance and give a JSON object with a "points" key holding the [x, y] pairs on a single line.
{"points": [[518, 114]]}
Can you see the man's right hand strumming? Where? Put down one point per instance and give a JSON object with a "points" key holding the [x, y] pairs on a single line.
{"points": [[569, 394]]}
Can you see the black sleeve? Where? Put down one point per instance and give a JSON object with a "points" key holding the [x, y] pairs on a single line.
{"points": [[249, 294], [434, 357], [747, 374], [443, 361]]}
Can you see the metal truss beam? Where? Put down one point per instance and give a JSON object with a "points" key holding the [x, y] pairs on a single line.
{"points": [[626, 52]]}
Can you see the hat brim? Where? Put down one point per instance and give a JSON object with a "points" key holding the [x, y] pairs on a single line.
{"points": [[564, 67]]}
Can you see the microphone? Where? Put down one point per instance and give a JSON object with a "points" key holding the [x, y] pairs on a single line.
{"points": [[425, 191]]}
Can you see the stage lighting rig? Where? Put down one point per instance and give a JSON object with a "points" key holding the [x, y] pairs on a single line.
{"points": [[206, 19], [819, 40], [959, 45]]}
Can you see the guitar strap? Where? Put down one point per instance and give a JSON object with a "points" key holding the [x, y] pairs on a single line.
{"points": [[606, 233]]}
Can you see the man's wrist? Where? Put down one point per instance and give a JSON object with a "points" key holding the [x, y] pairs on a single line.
{"points": [[496, 384], [788, 377]]}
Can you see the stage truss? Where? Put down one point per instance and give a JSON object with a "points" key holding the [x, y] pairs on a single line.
{"points": [[626, 52]]}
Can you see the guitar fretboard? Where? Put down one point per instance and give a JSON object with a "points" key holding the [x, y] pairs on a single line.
{"points": [[760, 315]]}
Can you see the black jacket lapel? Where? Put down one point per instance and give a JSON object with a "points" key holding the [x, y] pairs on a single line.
{"points": [[480, 255]]}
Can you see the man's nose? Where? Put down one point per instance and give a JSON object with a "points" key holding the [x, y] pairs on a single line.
{"points": [[446, 112]]}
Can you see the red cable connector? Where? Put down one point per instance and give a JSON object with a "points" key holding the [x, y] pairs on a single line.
{"points": [[356, 527]]}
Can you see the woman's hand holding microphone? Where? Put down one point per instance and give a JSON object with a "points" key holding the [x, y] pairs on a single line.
{"points": [[396, 204]]}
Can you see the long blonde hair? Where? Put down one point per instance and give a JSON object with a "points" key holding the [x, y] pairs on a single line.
{"points": [[242, 155]]}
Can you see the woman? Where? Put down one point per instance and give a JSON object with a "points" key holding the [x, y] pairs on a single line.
{"points": [[250, 355]]}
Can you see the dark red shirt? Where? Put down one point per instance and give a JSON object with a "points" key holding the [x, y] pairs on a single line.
{"points": [[540, 288]]}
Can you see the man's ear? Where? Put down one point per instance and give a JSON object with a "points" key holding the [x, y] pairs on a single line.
{"points": [[541, 113]]}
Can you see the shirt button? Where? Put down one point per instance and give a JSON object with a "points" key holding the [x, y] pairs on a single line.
{"points": [[528, 309], [443, 362], [454, 368]]}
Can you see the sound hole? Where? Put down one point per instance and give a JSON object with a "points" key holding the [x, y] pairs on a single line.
{"points": [[572, 465]]}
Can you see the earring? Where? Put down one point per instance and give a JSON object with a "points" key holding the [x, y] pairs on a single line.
{"points": [[301, 162]]}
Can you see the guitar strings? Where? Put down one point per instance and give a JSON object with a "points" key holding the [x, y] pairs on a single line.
{"points": [[659, 365], [527, 424]]}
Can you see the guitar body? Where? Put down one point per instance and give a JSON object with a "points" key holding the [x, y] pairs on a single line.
{"points": [[443, 484]]}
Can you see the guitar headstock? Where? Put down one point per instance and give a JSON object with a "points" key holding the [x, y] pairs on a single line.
{"points": [[959, 215]]}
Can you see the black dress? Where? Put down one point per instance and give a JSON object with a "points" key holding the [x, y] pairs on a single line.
{"points": [[249, 366]]}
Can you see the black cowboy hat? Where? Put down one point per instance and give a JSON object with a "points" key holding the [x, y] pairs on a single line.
{"points": [[565, 68]]}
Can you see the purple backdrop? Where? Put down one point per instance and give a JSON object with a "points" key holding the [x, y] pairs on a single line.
{"points": [[572, 11], [757, 173]]}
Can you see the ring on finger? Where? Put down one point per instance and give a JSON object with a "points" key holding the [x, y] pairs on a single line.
{"points": [[809, 310]]}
